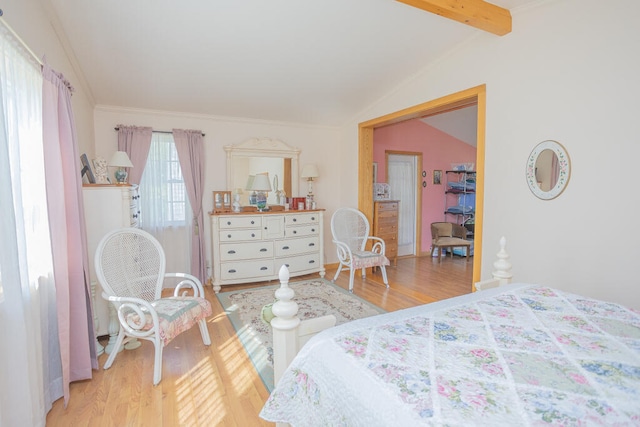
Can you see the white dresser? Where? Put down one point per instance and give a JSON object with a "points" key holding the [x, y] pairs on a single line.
{"points": [[106, 208], [251, 247]]}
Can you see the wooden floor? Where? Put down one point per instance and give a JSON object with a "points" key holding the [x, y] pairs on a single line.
{"points": [[217, 385]]}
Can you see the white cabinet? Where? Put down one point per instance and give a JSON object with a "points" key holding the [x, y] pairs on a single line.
{"points": [[251, 247], [106, 208]]}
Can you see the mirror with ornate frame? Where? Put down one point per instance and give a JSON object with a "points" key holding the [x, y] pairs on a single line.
{"points": [[548, 170], [260, 155]]}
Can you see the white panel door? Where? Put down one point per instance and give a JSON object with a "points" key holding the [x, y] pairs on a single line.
{"points": [[402, 171]]}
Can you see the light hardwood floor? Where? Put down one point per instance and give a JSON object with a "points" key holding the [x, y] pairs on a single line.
{"points": [[217, 385]]}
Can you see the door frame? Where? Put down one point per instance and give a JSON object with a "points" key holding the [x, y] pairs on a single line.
{"points": [[418, 210], [473, 96]]}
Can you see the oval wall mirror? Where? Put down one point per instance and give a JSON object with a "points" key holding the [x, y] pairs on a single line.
{"points": [[548, 170]]}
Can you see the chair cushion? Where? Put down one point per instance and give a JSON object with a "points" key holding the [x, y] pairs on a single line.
{"points": [[452, 241], [368, 259], [176, 315]]}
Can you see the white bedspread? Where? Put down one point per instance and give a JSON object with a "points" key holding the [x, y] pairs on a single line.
{"points": [[515, 355]]}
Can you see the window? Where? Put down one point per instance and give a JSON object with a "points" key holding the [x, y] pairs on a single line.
{"points": [[164, 201]]}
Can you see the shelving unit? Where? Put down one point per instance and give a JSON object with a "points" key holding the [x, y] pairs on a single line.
{"points": [[460, 198]]}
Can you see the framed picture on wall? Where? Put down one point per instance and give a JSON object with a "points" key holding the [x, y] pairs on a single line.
{"points": [[437, 177]]}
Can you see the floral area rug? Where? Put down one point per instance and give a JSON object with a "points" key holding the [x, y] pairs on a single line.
{"points": [[315, 298]]}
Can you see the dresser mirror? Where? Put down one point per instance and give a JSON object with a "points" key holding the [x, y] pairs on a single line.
{"points": [[548, 170], [260, 155]]}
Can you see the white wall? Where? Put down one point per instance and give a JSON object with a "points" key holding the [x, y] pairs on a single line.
{"points": [[34, 26], [569, 71], [317, 144]]}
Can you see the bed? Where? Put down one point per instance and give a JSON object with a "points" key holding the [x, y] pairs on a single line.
{"points": [[518, 354]]}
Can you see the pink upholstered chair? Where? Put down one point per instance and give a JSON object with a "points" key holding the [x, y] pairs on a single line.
{"points": [[350, 230], [130, 265]]}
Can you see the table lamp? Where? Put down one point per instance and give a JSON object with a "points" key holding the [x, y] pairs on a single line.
{"points": [[120, 160], [261, 185], [310, 172]]}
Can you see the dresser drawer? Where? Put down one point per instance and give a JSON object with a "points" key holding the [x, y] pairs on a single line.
{"points": [[302, 218], [302, 230], [246, 250], [241, 221], [387, 207], [297, 246], [386, 228], [300, 262], [240, 235], [246, 269]]}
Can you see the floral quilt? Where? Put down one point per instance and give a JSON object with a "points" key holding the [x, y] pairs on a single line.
{"points": [[515, 355]]}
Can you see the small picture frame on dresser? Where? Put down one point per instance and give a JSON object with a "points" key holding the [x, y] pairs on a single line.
{"points": [[221, 201]]}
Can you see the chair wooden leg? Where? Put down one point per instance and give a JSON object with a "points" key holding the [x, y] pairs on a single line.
{"points": [[384, 276], [351, 274], [337, 273], [157, 364], [115, 351], [206, 339]]}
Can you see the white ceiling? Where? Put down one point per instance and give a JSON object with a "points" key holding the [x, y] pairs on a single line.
{"points": [[314, 62]]}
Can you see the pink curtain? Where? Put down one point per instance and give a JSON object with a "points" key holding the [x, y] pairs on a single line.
{"points": [[135, 141], [67, 227], [190, 148]]}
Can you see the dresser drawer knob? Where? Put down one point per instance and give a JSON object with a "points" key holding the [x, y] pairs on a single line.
{"points": [[263, 268], [312, 244], [253, 222], [284, 248], [253, 235], [295, 219], [313, 218], [312, 262], [313, 230], [263, 250], [229, 236], [287, 265], [295, 231], [228, 222], [231, 252], [232, 271]]}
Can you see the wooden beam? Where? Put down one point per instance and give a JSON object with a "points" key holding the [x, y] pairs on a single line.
{"points": [[476, 13]]}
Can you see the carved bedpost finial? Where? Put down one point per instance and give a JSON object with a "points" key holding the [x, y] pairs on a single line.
{"points": [[284, 309], [502, 266], [284, 326]]}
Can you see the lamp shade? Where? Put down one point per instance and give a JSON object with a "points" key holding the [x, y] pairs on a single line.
{"points": [[310, 171], [250, 182], [261, 183], [120, 160]]}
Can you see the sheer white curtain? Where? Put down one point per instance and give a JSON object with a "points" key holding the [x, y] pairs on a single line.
{"points": [[30, 366], [165, 211]]}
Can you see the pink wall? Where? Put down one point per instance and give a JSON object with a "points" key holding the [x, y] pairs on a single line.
{"points": [[438, 150]]}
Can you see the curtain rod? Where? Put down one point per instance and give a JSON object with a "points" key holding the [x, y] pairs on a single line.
{"points": [[18, 39], [156, 131]]}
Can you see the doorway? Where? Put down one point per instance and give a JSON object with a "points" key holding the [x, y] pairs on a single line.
{"points": [[473, 96], [402, 170]]}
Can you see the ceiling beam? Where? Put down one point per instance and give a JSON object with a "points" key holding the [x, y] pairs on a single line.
{"points": [[476, 13]]}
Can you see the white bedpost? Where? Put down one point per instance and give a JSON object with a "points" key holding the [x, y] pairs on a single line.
{"points": [[284, 324], [502, 270], [502, 266]]}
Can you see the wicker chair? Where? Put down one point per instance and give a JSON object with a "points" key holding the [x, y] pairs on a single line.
{"points": [[449, 235], [130, 265], [350, 230]]}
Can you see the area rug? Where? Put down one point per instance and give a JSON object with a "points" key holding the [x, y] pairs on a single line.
{"points": [[315, 298]]}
